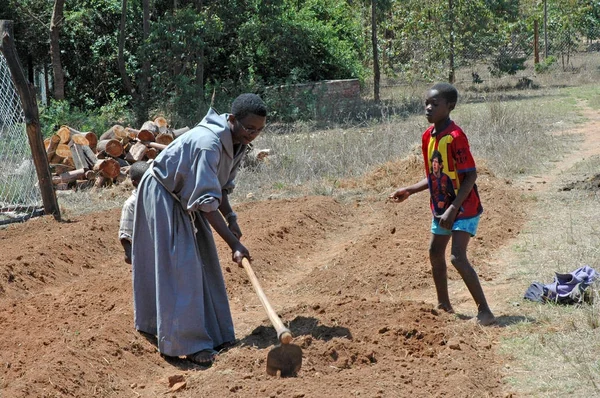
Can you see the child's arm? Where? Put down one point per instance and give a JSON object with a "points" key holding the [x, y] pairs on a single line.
{"points": [[126, 243], [401, 194]]}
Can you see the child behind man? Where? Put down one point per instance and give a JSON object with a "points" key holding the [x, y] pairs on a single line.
{"points": [[136, 171], [450, 176]]}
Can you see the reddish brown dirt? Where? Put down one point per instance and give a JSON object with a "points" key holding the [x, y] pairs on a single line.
{"points": [[341, 276]]}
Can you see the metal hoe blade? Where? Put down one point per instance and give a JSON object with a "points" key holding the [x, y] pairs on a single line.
{"points": [[285, 359]]}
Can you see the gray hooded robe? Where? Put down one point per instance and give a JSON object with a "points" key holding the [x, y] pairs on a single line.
{"points": [[178, 286]]}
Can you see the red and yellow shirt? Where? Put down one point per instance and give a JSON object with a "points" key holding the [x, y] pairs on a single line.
{"points": [[447, 157]]}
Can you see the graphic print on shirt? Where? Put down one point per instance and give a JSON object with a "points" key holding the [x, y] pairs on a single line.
{"points": [[440, 185], [452, 147]]}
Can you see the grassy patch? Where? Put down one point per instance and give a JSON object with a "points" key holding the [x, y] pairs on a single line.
{"points": [[515, 134], [557, 353]]}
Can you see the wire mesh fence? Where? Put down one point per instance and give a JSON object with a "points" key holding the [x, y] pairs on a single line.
{"points": [[20, 197]]}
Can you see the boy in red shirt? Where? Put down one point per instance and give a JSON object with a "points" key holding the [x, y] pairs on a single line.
{"points": [[450, 177]]}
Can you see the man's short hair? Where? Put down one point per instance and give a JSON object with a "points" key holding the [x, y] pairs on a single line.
{"points": [[248, 104], [447, 91], [137, 170]]}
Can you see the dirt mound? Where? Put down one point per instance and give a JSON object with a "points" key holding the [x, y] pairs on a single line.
{"points": [[350, 279]]}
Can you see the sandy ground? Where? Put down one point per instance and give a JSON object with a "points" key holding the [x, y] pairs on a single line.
{"points": [[350, 279]]}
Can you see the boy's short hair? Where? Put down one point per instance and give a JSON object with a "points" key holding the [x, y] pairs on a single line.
{"points": [[248, 104], [447, 91], [137, 170]]}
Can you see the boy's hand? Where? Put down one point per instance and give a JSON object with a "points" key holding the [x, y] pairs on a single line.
{"points": [[447, 219], [400, 195]]}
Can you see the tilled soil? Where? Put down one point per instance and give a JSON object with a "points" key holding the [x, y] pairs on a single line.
{"points": [[350, 279]]}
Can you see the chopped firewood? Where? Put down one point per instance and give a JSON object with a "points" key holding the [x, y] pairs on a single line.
{"points": [[152, 153], [108, 168], [70, 176], [161, 123], [136, 152], [151, 127], [165, 138], [115, 132], [145, 135], [181, 131], [79, 157], [111, 147]]}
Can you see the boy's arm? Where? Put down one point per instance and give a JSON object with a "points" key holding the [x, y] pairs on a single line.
{"points": [[402, 194], [126, 243]]}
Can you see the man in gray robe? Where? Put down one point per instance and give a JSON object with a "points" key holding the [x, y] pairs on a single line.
{"points": [[178, 286]]}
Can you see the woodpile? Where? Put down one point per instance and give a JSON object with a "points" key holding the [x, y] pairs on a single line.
{"points": [[82, 159]]}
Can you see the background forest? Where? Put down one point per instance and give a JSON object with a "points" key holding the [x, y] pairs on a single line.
{"points": [[98, 62]]}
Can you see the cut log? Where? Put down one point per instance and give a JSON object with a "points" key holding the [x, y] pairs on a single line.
{"points": [[116, 131], [161, 123], [92, 139], [68, 161], [150, 126], [181, 131], [65, 134], [145, 135], [136, 152], [89, 155], [90, 175], [79, 157], [79, 139], [56, 159], [165, 138], [154, 145], [131, 133], [63, 150], [108, 168], [50, 144], [70, 176], [152, 153], [111, 147]]}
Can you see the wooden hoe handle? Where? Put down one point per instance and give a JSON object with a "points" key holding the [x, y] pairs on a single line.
{"points": [[283, 334]]}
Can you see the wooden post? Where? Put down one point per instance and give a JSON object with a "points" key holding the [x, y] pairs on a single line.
{"points": [[536, 41], [32, 121]]}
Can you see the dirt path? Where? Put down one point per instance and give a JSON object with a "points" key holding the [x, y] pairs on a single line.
{"points": [[351, 280]]}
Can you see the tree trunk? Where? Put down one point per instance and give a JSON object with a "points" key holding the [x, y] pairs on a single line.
{"points": [[376, 74], [55, 25], [121, 57]]}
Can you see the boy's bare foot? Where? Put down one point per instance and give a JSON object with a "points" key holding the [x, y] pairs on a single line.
{"points": [[485, 318], [445, 307]]}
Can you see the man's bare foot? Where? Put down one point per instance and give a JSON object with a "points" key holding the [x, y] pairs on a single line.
{"points": [[445, 307], [485, 318]]}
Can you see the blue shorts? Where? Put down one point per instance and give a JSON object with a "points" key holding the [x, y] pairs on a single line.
{"points": [[465, 224]]}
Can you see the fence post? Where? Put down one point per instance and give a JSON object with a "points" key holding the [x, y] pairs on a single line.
{"points": [[32, 122]]}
